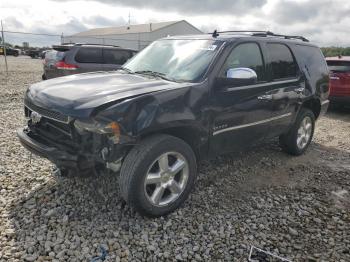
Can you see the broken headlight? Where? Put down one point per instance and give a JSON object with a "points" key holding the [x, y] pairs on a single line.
{"points": [[112, 129]]}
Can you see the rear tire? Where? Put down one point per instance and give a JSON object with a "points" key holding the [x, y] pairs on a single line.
{"points": [[157, 175], [299, 137]]}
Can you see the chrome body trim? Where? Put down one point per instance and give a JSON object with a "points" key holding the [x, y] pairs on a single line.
{"points": [[325, 102], [45, 116], [251, 124], [277, 82]]}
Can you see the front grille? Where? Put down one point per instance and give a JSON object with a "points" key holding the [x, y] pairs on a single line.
{"points": [[46, 112], [51, 129], [55, 133]]}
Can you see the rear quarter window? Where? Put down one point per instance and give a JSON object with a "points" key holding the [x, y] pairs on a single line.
{"points": [[54, 55], [89, 55], [312, 60], [115, 56], [314, 66]]}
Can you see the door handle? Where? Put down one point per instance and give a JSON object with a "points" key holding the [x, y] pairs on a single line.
{"points": [[299, 90], [265, 97]]}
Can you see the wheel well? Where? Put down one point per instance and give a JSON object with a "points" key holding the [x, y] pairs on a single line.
{"points": [[188, 134], [314, 105]]}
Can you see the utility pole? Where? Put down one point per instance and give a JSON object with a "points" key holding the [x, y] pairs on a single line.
{"points": [[129, 18], [4, 47]]}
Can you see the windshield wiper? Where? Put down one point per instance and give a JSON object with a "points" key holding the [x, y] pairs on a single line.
{"points": [[126, 70], [153, 73]]}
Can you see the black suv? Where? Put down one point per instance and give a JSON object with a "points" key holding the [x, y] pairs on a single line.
{"points": [[180, 100], [69, 59], [9, 51]]}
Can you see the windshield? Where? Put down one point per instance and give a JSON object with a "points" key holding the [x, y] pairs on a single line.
{"points": [[178, 60]]}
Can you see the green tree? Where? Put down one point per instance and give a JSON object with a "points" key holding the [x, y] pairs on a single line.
{"points": [[335, 51]]}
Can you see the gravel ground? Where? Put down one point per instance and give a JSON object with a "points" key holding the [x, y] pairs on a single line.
{"points": [[295, 207]]}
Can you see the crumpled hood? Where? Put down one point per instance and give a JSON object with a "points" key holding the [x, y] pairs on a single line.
{"points": [[79, 95]]}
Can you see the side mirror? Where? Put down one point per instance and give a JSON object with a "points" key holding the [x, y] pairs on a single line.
{"points": [[242, 74], [237, 77]]}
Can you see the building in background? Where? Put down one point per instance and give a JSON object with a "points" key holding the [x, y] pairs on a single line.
{"points": [[132, 36]]}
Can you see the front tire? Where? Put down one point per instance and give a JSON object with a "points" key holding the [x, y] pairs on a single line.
{"points": [[299, 137], [157, 175]]}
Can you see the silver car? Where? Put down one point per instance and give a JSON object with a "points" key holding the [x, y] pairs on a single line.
{"points": [[81, 58]]}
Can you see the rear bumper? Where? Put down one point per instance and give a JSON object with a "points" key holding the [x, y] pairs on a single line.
{"points": [[340, 99], [57, 156], [53, 73]]}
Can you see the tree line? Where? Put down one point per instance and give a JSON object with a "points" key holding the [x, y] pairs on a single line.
{"points": [[335, 51]]}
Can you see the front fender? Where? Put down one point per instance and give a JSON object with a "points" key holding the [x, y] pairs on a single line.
{"points": [[157, 111]]}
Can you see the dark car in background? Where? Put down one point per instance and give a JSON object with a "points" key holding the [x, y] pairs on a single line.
{"points": [[339, 68], [69, 59], [9, 51], [34, 53]]}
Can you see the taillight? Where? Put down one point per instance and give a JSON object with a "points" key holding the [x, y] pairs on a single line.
{"points": [[63, 65]]}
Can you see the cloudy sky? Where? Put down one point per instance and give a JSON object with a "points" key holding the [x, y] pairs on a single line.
{"points": [[325, 22]]}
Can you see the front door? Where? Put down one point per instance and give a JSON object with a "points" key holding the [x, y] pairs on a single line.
{"points": [[240, 117]]}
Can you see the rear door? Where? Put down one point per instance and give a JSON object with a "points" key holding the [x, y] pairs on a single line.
{"points": [[287, 86], [339, 78], [89, 59], [114, 58]]}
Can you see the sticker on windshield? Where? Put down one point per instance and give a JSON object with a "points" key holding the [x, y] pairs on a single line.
{"points": [[209, 48]]}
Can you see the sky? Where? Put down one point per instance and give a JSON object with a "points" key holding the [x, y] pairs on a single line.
{"points": [[324, 22]]}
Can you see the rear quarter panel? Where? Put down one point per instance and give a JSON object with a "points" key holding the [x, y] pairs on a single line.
{"points": [[314, 68]]}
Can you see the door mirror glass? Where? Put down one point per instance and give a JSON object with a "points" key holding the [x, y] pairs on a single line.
{"points": [[242, 74]]}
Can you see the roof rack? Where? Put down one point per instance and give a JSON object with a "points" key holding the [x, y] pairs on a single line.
{"points": [[261, 33], [80, 44]]}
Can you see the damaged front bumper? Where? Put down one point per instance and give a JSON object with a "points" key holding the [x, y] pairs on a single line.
{"points": [[80, 162], [59, 157]]}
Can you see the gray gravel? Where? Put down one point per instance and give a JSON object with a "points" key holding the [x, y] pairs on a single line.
{"points": [[294, 207]]}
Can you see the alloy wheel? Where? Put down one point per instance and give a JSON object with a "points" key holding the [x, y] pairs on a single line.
{"points": [[304, 132], [166, 179]]}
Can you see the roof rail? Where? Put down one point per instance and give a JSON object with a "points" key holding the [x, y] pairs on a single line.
{"points": [[80, 44], [262, 34]]}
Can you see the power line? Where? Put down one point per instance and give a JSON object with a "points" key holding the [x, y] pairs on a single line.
{"points": [[107, 38], [76, 37], [28, 33]]}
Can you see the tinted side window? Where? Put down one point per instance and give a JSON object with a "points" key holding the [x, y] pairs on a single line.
{"points": [[282, 61], [313, 60], [245, 55], [118, 57], [89, 55]]}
